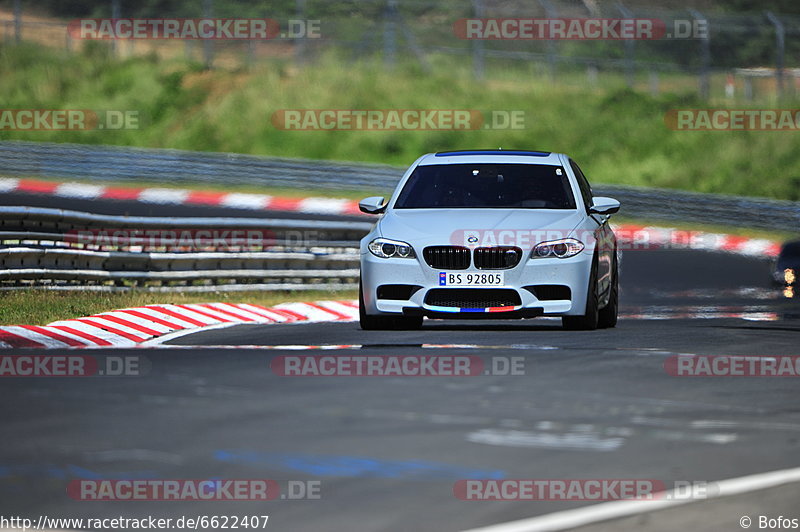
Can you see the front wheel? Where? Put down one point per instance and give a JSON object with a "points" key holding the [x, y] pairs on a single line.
{"points": [[589, 321], [608, 315]]}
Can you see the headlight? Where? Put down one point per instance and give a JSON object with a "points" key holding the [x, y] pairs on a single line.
{"points": [[789, 276], [388, 249], [562, 249]]}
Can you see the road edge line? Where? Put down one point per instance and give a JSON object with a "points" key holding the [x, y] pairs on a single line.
{"points": [[597, 513]]}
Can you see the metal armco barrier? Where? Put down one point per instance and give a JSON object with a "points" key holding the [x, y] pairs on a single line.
{"points": [[77, 161], [73, 161], [67, 249]]}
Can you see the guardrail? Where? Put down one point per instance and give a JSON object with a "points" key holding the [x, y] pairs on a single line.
{"points": [[677, 205], [64, 250], [73, 161], [77, 161]]}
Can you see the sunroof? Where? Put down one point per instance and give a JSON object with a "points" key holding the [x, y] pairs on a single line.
{"points": [[493, 152]]}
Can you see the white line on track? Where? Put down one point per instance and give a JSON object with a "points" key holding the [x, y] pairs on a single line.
{"points": [[597, 513]]}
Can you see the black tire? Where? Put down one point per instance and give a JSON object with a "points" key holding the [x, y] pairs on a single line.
{"points": [[607, 317], [587, 322], [384, 323], [367, 322]]}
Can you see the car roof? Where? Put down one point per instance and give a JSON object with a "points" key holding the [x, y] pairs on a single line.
{"points": [[491, 156]]}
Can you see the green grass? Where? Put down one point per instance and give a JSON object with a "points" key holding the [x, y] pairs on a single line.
{"points": [[40, 307], [618, 135]]}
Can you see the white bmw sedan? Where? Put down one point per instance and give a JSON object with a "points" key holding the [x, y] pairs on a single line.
{"points": [[490, 234]]}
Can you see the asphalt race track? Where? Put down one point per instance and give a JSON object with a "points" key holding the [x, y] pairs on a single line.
{"points": [[388, 450]]}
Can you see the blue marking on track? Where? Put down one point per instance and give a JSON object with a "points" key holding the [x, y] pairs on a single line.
{"points": [[357, 466]]}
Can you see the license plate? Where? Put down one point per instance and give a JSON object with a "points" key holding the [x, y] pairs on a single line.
{"points": [[470, 279]]}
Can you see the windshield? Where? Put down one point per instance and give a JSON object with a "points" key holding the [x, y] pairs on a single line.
{"points": [[491, 186]]}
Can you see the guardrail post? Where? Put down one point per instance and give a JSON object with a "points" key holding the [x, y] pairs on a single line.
{"points": [[390, 33], [780, 48], [551, 13], [18, 21], [630, 48], [477, 44], [654, 83], [705, 55], [115, 14], [592, 74], [748, 88], [250, 53], [300, 44], [208, 46]]}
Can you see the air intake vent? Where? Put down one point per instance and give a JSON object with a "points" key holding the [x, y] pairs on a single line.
{"points": [[397, 292], [549, 292], [472, 297]]}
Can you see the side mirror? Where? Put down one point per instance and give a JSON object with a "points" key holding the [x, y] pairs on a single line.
{"points": [[372, 205], [603, 205]]}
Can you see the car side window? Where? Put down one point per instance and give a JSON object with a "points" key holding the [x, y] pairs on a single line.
{"points": [[583, 184]]}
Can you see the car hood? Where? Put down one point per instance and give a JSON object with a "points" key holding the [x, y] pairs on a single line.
{"points": [[450, 226]]}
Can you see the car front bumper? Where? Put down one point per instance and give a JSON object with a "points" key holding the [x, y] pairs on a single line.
{"points": [[573, 273]]}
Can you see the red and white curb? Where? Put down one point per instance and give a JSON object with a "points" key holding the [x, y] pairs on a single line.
{"points": [[175, 196], [704, 312], [134, 326], [154, 324], [638, 237]]}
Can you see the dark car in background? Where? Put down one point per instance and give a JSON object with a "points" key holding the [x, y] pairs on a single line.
{"points": [[787, 267]]}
